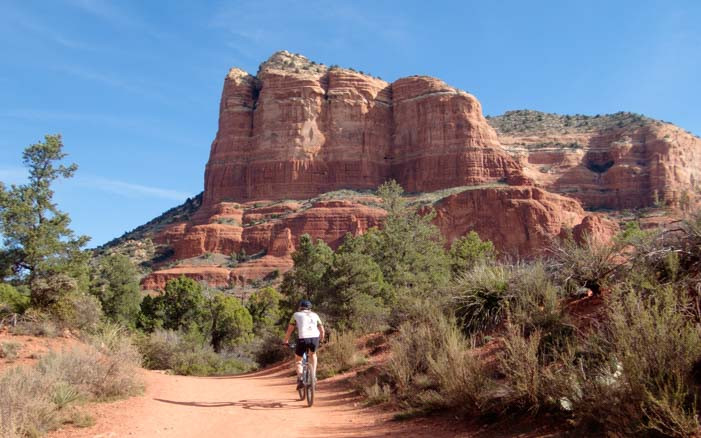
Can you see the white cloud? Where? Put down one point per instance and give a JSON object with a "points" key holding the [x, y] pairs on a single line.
{"points": [[131, 190], [105, 10], [18, 175], [118, 16], [15, 17], [61, 115]]}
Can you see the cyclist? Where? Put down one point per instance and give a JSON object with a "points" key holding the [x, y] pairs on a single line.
{"points": [[310, 331]]}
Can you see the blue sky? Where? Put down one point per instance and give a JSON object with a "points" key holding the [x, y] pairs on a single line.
{"points": [[134, 86]]}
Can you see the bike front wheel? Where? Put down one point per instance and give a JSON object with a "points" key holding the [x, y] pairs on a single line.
{"points": [[309, 389]]}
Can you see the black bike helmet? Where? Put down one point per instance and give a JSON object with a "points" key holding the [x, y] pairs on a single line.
{"points": [[305, 304]]}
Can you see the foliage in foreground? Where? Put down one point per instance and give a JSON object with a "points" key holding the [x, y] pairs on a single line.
{"points": [[38, 399], [633, 371]]}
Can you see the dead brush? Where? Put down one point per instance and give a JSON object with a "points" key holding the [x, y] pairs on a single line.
{"points": [[339, 355]]}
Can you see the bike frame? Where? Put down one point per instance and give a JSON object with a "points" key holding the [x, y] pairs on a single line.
{"points": [[308, 380]]}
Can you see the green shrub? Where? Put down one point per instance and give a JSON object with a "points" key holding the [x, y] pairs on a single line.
{"points": [[231, 324], [11, 300], [115, 283], [186, 354], [264, 307], [181, 306], [470, 251]]}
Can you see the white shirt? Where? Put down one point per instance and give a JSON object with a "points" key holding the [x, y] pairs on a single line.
{"points": [[307, 323]]}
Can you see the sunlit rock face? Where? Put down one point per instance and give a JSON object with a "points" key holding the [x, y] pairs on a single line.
{"points": [[298, 129]]}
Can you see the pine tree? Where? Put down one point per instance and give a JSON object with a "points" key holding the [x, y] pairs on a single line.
{"points": [[39, 247]]}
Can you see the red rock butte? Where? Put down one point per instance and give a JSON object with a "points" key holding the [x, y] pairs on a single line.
{"points": [[298, 129]]}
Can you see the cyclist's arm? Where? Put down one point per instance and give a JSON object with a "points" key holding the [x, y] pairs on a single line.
{"points": [[321, 331], [290, 329]]}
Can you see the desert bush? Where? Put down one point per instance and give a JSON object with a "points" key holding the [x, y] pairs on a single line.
{"points": [[339, 355], [377, 393], [268, 349], [533, 384], [77, 310], [103, 371], [26, 408], [481, 297], [34, 400], [431, 367], [35, 323], [537, 306], [462, 379], [590, 264], [186, 354], [649, 384], [8, 350]]}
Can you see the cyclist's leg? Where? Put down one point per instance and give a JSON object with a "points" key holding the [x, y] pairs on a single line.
{"points": [[313, 358], [299, 351], [298, 366], [312, 362]]}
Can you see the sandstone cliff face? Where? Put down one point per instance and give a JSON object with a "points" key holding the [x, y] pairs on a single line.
{"points": [[521, 221], [269, 233], [615, 162], [299, 129]]}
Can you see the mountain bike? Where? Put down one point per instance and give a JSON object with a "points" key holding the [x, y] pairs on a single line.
{"points": [[308, 379]]}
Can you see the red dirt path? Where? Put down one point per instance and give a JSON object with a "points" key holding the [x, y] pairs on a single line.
{"points": [[259, 405]]}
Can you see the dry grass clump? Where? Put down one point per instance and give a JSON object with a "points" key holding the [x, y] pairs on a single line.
{"points": [[648, 384], [9, 350], [377, 393], [38, 399], [35, 323]]}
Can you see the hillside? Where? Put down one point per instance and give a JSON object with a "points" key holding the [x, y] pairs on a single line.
{"points": [[300, 147]]}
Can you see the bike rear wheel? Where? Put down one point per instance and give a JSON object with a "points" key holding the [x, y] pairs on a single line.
{"points": [[302, 393]]}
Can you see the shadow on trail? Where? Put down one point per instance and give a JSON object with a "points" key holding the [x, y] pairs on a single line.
{"points": [[280, 370], [245, 404]]}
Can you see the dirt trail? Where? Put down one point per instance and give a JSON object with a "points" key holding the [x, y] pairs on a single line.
{"points": [[259, 405]]}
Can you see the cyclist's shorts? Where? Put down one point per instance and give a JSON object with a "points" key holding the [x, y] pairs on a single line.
{"points": [[302, 344]]}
